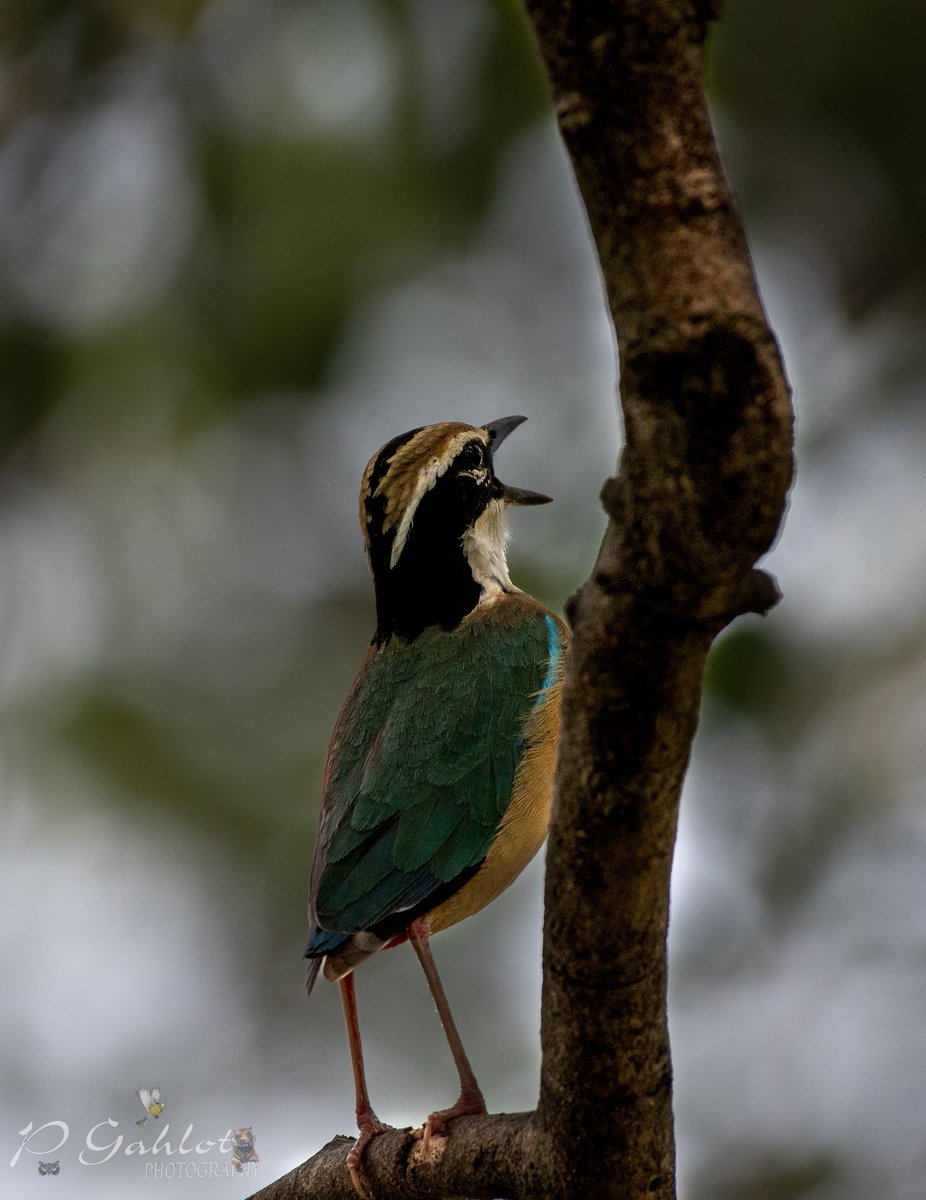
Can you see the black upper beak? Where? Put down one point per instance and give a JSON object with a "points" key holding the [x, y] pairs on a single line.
{"points": [[498, 431]]}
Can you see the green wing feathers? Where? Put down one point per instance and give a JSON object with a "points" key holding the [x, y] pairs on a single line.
{"points": [[422, 761]]}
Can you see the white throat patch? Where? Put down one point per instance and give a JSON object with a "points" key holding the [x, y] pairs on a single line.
{"points": [[484, 547]]}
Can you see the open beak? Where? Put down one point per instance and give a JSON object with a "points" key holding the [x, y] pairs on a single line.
{"points": [[498, 431]]}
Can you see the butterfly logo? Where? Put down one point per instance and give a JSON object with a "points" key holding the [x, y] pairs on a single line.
{"points": [[151, 1102]]}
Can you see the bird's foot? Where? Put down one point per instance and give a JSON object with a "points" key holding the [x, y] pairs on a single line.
{"points": [[470, 1104], [370, 1127]]}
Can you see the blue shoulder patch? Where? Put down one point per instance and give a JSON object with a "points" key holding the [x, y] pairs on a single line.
{"points": [[555, 644]]}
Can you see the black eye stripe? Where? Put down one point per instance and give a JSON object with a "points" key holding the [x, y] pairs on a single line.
{"points": [[472, 455]]}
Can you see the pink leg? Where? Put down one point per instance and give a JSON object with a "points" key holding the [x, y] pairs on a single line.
{"points": [[470, 1102], [367, 1121]]}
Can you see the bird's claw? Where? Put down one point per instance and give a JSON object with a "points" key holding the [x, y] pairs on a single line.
{"points": [[470, 1104], [370, 1127], [358, 1182]]}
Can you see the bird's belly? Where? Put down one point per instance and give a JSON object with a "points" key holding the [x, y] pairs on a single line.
{"points": [[522, 829]]}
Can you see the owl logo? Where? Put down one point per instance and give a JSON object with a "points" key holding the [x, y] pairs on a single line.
{"points": [[52, 1168], [151, 1102], [243, 1147]]}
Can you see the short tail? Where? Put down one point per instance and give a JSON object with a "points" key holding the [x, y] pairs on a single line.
{"points": [[339, 953], [321, 943], [311, 973]]}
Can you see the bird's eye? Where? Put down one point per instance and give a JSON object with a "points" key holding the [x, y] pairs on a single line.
{"points": [[471, 456]]}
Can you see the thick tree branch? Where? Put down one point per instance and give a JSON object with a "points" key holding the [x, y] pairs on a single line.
{"points": [[698, 498]]}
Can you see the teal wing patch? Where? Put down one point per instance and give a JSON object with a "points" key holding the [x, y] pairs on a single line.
{"points": [[422, 762]]}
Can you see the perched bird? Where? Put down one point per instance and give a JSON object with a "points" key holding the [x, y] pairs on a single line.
{"points": [[439, 775]]}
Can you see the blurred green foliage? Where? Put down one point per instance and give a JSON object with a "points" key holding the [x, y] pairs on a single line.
{"points": [[244, 241], [298, 217]]}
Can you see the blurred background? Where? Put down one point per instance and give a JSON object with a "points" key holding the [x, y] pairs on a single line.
{"points": [[243, 243]]}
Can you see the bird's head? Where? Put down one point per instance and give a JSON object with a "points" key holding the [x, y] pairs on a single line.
{"points": [[432, 511]]}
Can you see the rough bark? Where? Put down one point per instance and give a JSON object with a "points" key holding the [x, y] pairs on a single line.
{"points": [[484, 1158], [697, 499]]}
